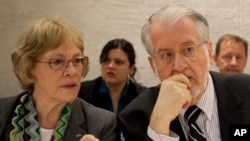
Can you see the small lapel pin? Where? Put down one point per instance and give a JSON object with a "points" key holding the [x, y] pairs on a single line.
{"points": [[79, 135]]}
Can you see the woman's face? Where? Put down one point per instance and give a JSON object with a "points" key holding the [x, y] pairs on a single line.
{"points": [[58, 85], [116, 69]]}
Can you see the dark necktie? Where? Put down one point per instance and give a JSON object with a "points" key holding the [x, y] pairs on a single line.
{"points": [[191, 115]]}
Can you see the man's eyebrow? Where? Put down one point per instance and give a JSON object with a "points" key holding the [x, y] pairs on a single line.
{"points": [[189, 42]]}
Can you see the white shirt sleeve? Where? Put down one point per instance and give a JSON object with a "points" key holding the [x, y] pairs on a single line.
{"points": [[160, 137]]}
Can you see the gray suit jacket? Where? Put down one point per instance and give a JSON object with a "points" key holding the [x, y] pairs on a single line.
{"points": [[84, 119]]}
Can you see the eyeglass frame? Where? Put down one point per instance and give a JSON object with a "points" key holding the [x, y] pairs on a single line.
{"points": [[84, 61], [172, 52]]}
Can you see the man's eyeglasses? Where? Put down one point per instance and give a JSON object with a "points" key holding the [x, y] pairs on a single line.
{"points": [[61, 64], [167, 57]]}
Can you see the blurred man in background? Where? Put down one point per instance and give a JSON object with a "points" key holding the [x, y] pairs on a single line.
{"points": [[231, 54]]}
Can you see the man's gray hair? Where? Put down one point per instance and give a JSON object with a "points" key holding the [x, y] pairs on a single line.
{"points": [[170, 14]]}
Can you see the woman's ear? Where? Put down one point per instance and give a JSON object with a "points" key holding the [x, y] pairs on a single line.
{"points": [[132, 70]]}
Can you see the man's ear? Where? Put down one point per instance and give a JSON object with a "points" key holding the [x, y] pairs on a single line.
{"points": [[210, 51], [215, 59], [153, 66]]}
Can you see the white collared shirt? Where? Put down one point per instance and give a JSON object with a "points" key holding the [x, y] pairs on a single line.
{"points": [[208, 120]]}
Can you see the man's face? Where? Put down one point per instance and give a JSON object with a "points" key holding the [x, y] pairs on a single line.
{"points": [[232, 58], [174, 38]]}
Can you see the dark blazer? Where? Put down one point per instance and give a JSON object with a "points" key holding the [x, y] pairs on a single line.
{"points": [[84, 119], [233, 100], [90, 91]]}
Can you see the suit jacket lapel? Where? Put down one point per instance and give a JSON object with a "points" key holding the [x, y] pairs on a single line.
{"points": [[227, 102], [77, 125]]}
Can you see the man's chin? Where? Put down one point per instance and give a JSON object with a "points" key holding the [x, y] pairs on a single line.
{"points": [[194, 95], [233, 72]]}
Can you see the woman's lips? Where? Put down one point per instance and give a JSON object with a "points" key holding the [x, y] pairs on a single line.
{"points": [[110, 74], [69, 85]]}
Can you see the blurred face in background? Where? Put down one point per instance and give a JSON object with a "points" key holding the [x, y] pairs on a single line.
{"points": [[116, 68], [232, 58]]}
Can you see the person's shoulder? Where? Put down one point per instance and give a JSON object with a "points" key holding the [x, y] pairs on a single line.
{"points": [[240, 80], [140, 88], [92, 110], [223, 76], [154, 90], [4, 100], [145, 101], [9, 101], [149, 93], [89, 87], [237, 83], [88, 83], [7, 106]]}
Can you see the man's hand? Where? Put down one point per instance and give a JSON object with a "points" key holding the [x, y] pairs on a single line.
{"points": [[89, 137], [173, 96]]}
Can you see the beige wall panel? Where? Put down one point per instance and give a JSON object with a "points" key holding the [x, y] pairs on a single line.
{"points": [[103, 20]]}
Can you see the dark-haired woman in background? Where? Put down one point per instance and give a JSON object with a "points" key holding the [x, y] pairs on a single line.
{"points": [[116, 87]]}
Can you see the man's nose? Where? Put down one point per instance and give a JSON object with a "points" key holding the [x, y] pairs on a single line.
{"points": [[179, 63], [233, 61]]}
